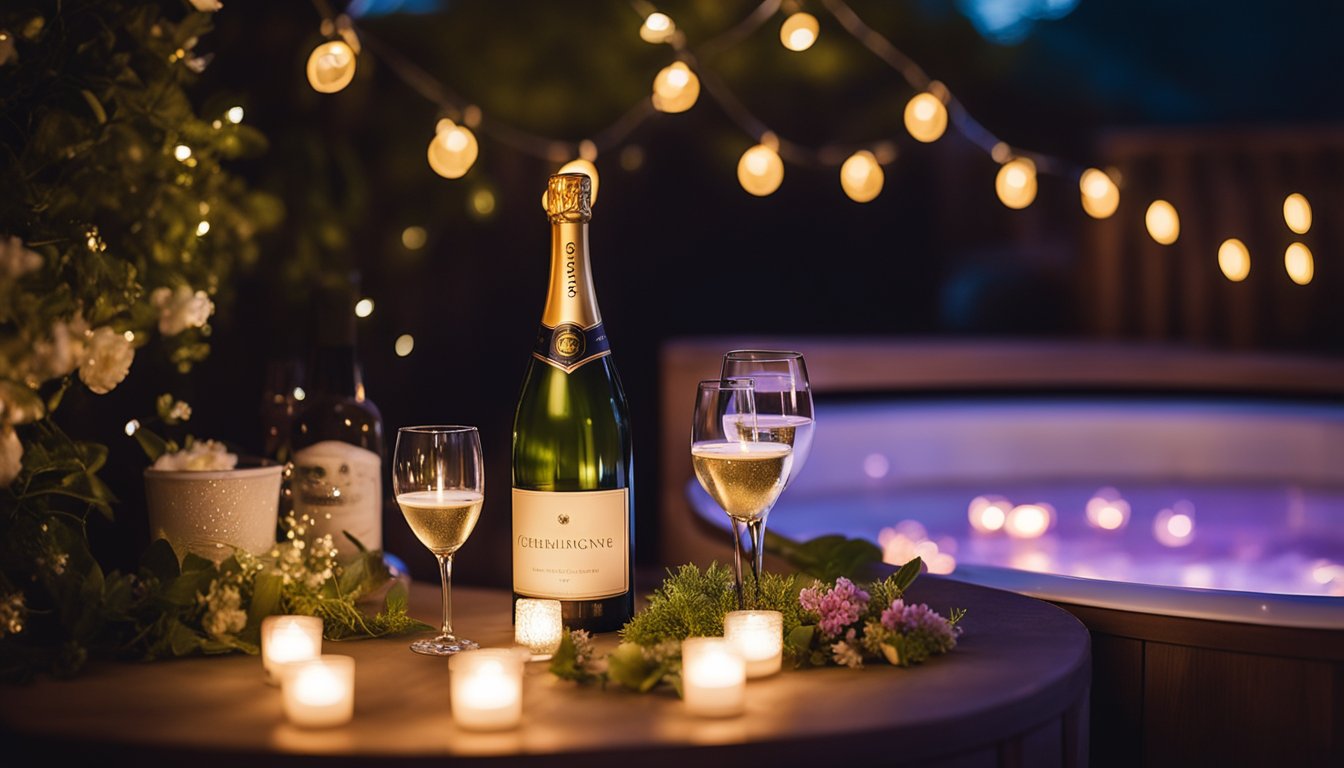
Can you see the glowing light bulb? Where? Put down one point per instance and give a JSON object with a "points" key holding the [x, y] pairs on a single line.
{"points": [[925, 117], [1100, 194], [676, 88], [657, 28], [1297, 213], [1107, 510], [1029, 521], [988, 513], [1234, 260], [132, 427], [182, 152], [1015, 183], [202, 228], [861, 176], [299, 394], [1163, 224], [452, 150], [1299, 263], [482, 203], [414, 238], [364, 308], [799, 31], [579, 165], [331, 66], [404, 344], [760, 170], [234, 115]]}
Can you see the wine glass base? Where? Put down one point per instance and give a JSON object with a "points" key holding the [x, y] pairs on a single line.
{"points": [[444, 645]]}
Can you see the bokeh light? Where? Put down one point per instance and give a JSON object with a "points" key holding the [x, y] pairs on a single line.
{"points": [[675, 88], [799, 31], [452, 150], [760, 171], [331, 66], [1015, 183], [1297, 260], [925, 117], [1163, 224], [1029, 521], [987, 514], [1297, 213], [1101, 196], [861, 176], [1234, 259]]}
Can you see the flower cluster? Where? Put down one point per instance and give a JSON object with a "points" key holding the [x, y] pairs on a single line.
{"points": [[223, 603], [838, 607], [303, 560], [199, 455]]}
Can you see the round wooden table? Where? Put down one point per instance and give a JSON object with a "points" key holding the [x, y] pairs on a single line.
{"points": [[1014, 692]]}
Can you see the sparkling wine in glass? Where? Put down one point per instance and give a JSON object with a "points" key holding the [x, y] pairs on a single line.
{"points": [[783, 397], [439, 480], [741, 467]]}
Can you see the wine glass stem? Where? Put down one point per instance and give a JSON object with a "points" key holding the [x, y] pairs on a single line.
{"points": [[446, 578], [737, 560], [754, 529]]}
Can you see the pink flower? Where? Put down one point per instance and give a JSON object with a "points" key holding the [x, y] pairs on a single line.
{"points": [[837, 607], [907, 619]]}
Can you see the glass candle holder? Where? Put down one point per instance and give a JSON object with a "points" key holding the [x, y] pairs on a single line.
{"points": [[319, 693], [486, 688], [759, 637], [537, 626], [713, 677], [285, 639]]}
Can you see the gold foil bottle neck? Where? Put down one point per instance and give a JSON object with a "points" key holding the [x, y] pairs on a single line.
{"points": [[568, 198]]}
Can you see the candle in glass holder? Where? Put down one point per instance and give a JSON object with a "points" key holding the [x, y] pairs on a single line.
{"points": [[288, 638], [320, 692], [713, 677], [537, 626], [759, 637], [486, 688]]}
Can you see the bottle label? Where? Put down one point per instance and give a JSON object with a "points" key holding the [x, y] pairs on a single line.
{"points": [[567, 346], [572, 545], [339, 487]]}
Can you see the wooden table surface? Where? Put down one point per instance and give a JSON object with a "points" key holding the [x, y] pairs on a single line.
{"points": [[1015, 689]]}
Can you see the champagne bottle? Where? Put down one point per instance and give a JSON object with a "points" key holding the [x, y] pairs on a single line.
{"points": [[337, 438], [573, 473]]}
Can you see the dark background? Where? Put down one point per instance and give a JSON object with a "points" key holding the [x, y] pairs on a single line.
{"points": [[678, 248]]}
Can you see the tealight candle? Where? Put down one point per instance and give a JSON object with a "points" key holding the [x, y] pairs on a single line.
{"points": [[713, 677], [537, 625], [759, 637], [486, 688], [288, 638], [320, 692]]}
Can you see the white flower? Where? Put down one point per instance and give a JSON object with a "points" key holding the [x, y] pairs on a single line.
{"points": [[180, 309], [207, 6], [15, 259], [224, 614], [59, 353], [19, 404], [203, 455], [11, 455], [107, 360], [180, 411]]}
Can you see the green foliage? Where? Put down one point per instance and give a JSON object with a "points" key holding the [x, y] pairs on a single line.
{"points": [[827, 558], [692, 603]]}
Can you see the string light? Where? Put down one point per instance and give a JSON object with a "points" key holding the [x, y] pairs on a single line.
{"points": [[760, 170], [1234, 260], [1163, 224], [482, 203], [925, 117], [657, 28], [403, 345], [799, 31], [414, 238], [202, 228], [182, 152], [861, 176], [364, 308], [1297, 213], [1101, 197], [331, 66], [1297, 260], [234, 115], [1015, 183], [676, 88], [452, 150]]}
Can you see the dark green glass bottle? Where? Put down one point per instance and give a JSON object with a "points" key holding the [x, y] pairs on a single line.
{"points": [[573, 470]]}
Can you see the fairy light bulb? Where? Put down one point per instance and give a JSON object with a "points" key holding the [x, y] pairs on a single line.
{"points": [[1297, 260], [1163, 224], [1297, 213], [1100, 194], [452, 150], [861, 176], [675, 88], [586, 167], [331, 66], [1234, 260], [1015, 183], [657, 28], [925, 117], [799, 31], [760, 170]]}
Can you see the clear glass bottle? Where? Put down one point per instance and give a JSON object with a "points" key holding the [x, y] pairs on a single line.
{"points": [[337, 437], [573, 466]]}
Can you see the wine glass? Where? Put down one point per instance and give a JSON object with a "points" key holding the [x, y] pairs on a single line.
{"points": [[783, 397], [439, 481], [741, 467]]}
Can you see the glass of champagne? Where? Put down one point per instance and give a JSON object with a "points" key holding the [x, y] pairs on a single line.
{"points": [[742, 467], [439, 480], [783, 396]]}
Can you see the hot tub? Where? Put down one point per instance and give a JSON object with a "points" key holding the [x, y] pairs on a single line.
{"points": [[1209, 569]]}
